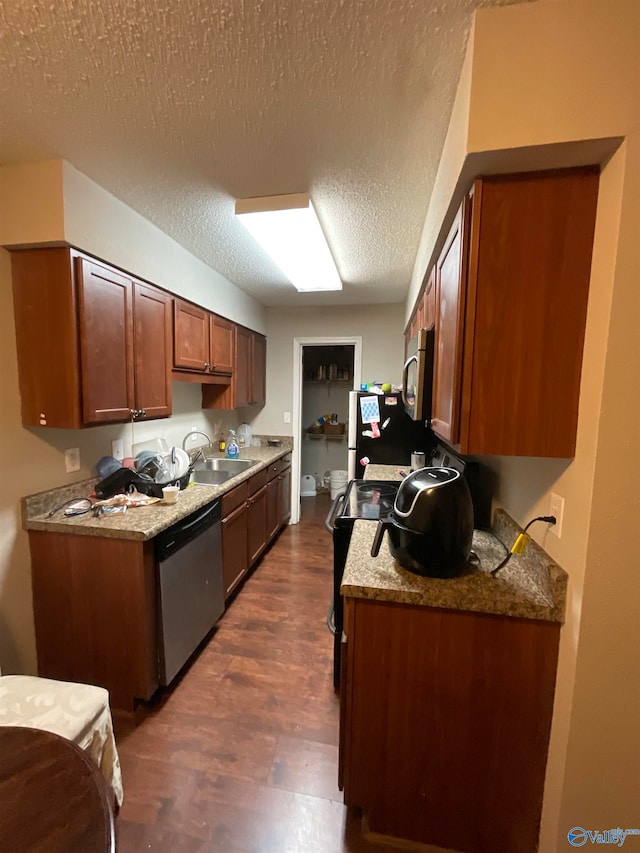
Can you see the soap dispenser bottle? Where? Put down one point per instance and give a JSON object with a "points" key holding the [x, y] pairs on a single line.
{"points": [[233, 451]]}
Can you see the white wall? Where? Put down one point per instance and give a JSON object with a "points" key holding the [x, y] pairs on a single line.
{"points": [[54, 202], [320, 454], [547, 81], [102, 225]]}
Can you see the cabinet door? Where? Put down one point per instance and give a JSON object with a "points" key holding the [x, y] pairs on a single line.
{"points": [[430, 300], [48, 364], [243, 367], [234, 548], [94, 604], [221, 341], [259, 373], [420, 312], [256, 524], [284, 497], [105, 301], [152, 348], [190, 336], [273, 508], [450, 307]]}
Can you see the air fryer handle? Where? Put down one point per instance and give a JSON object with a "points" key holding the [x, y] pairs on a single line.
{"points": [[377, 539]]}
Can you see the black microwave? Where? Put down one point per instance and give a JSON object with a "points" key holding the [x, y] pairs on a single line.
{"points": [[417, 376]]}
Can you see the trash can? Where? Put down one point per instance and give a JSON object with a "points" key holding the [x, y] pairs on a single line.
{"points": [[307, 486], [338, 482]]}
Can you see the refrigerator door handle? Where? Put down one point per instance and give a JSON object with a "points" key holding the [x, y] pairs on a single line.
{"points": [[352, 437]]}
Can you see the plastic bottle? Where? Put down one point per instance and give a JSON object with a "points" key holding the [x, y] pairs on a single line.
{"points": [[222, 444], [244, 435], [233, 451]]}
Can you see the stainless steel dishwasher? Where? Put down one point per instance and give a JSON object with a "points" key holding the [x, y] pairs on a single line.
{"points": [[190, 586]]}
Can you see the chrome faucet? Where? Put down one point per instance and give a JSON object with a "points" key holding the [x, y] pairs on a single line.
{"points": [[194, 432]]}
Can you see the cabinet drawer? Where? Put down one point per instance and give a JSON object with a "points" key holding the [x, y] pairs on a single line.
{"points": [[274, 469], [233, 499], [257, 481]]}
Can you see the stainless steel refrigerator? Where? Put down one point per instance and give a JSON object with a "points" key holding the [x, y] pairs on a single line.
{"points": [[381, 432]]}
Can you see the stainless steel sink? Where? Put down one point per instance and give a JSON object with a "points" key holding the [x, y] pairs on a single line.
{"points": [[214, 472]]}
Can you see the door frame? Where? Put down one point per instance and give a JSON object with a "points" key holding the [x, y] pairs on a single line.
{"points": [[298, 346]]}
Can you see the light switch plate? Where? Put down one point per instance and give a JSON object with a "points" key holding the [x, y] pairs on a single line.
{"points": [[117, 449], [72, 460], [287, 417]]}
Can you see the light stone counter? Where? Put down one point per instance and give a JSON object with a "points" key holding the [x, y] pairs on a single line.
{"points": [[137, 522], [530, 586]]}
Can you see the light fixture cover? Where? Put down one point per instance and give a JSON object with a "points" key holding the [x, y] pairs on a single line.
{"points": [[288, 229]]}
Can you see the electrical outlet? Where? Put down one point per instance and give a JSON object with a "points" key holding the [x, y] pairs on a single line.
{"points": [[117, 449], [556, 507], [194, 428], [72, 460], [287, 417]]}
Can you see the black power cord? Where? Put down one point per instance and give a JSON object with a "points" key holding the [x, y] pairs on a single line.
{"points": [[521, 541]]}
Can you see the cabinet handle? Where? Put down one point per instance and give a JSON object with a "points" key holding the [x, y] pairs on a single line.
{"points": [[144, 413], [212, 367]]}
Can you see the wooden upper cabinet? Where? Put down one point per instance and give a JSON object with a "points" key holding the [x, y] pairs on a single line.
{"points": [[47, 337], [510, 323], [429, 300], [203, 342], [84, 356], [247, 386], [190, 336], [450, 286], [259, 370], [221, 343], [152, 348], [251, 357], [105, 302], [243, 383]]}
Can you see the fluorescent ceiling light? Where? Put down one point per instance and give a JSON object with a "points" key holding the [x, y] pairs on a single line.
{"points": [[287, 228]]}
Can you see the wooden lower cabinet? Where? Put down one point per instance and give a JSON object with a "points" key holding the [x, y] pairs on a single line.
{"points": [[94, 602], [257, 524], [95, 598], [273, 505], [278, 495], [445, 720], [234, 549], [252, 514], [284, 496]]}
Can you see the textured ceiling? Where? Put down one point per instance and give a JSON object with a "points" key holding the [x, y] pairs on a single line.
{"points": [[178, 108]]}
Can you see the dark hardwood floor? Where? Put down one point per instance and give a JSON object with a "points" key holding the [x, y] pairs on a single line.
{"points": [[241, 754]]}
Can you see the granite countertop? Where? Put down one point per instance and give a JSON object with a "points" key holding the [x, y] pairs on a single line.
{"points": [[531, 585], [139, 523]]}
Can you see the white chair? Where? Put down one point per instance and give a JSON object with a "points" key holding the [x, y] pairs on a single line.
{"points": [[78, 712]]}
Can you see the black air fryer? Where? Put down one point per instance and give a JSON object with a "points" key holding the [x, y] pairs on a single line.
{"points": [[431, 526]]}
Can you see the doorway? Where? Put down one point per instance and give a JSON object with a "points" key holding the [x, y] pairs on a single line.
{"points": [[325, 370]]}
